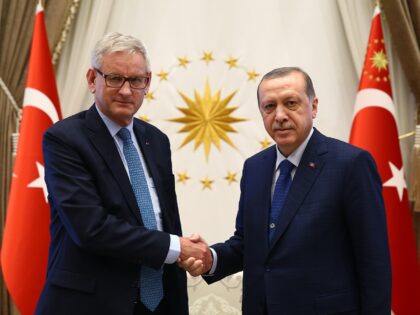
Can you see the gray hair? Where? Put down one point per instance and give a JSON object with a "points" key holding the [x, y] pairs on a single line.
{"points": [[284, 71], [116, 42]]}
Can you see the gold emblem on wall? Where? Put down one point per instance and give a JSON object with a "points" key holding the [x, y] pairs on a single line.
{"points": [[207, 119]]}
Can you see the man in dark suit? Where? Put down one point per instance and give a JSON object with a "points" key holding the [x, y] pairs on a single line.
{"points": [[115, 227], [310, 238]]}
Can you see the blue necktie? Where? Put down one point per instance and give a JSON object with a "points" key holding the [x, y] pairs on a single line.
{"points": [[280, 192], [151, 288]]}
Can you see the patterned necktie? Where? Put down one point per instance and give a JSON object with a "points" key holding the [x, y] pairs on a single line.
{"points": [[280, 192], [151, 289]]}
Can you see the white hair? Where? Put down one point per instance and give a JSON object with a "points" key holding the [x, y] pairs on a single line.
{"points": [[116, 42]]}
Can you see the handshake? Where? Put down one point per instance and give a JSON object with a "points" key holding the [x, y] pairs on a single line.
{"points": [[195, 257]]}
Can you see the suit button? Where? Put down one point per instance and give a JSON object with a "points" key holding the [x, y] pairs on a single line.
{"points": [[272, 225], [267, 269]]}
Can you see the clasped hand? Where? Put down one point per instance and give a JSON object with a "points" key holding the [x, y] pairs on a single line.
{"points": [[195, 257]]}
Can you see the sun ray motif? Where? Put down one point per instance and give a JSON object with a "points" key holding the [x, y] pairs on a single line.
{"points": [[379, 60], [207, 119]]}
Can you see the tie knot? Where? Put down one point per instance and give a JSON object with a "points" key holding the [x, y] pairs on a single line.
{"points": [[286, 167], [124, 134]]}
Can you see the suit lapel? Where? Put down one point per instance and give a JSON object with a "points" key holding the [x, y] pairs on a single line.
{"points": [[309, 168], [261, 185], [145, 147], [102, 140]]}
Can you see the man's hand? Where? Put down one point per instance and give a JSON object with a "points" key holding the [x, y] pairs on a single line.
{"points": [[195, 255]]}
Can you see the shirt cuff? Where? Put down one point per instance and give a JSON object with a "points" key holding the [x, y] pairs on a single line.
{"points": [[213, 267], [174, 249]]}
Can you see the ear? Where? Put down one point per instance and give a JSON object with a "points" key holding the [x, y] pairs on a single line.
{"points": [[314, 107], [146, 89], [91, 77]]}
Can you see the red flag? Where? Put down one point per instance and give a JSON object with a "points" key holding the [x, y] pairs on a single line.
{"points": [[375, 129], [26, 236]]}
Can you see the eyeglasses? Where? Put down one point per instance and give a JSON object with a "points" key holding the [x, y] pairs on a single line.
{"points": [[117, 81]]}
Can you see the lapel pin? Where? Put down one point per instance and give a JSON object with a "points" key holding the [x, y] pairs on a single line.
{"points": [[311, 164], [147, 142]]}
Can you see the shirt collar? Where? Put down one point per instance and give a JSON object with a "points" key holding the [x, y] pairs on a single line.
{"points": [[112, 126], [296, 155]]}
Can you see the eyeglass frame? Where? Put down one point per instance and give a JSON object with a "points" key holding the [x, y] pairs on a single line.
{"points": [[105, 76]]}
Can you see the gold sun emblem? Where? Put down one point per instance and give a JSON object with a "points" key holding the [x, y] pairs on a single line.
{"points": [[207, 119], [379, 60]]}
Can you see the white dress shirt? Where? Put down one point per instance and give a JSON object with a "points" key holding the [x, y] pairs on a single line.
{"points": [[113, 128]]}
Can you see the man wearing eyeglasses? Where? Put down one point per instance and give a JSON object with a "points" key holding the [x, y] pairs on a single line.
{"points": [[115, 227]]}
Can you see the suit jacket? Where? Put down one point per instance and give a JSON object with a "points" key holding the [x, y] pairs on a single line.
{"points": [[330, 252], [98, 240]]}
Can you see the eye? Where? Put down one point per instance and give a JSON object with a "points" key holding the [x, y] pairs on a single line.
{"points": [[269, 107], [291, 104], [114, 79], [139, 82]]}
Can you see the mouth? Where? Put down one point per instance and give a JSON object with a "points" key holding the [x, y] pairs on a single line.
{"points": [[123, 102], [282, 130]]}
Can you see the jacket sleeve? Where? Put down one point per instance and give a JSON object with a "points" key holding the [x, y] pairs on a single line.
{"points": [[366, 222]]}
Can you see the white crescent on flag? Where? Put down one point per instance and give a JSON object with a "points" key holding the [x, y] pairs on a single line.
{"points": [[37, 99], [373, 97]]}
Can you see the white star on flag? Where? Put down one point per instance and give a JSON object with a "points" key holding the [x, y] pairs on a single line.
{"points": [[40, 182], [397, 180]]}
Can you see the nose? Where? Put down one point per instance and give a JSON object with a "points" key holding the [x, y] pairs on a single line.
{"points": [[280, 113], [125, 89]]}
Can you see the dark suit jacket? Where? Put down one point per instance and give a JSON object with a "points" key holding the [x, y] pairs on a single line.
{"points": [[330, 253], [98, 241]]}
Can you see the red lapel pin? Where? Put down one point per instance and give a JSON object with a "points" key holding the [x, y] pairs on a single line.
{"points": [[311, 164]]}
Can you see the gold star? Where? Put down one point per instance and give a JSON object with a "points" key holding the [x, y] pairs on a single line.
{"points": [[183, 61], [183, 177], [232, 62], [150, 96], [379, 60], [231, 177], [207, 119], [207, 183], [163, 75], [207, 57], [144, 118], [265, 143], [252, 75]]}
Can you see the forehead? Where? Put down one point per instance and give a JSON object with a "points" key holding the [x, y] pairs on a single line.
{"points": [[293, 80], [124, 63], [292, 83]]}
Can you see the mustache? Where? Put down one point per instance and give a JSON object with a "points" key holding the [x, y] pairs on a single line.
{"points": [[282, 125]]}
